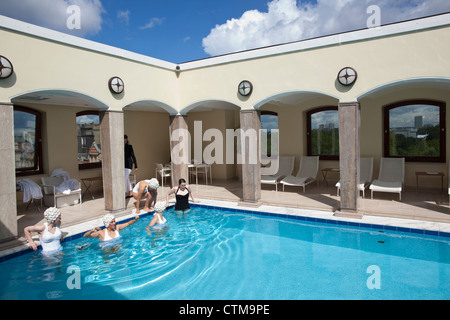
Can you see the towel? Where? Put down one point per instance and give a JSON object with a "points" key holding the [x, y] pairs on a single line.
{"points": [[67, 186], [31, 190], [60, 173]]}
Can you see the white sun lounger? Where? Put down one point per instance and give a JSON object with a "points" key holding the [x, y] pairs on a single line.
{"points": [[365, 175], [285, 168], [307, 173], [391, 177]]}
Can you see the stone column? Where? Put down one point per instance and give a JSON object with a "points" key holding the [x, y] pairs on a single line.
{"points": [[349, 124], [251, 166], [113, 166], [179, 148], [8, 209]]}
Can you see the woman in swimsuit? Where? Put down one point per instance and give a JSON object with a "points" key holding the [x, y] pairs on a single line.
{"points": [[111, 230], [147, 189], [50, 235], [182, 194], [158, 220]]}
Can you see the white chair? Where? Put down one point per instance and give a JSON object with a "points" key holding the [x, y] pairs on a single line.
{"points": [[391, 177], [307, 173], [285, 168], [200, 169], [164, 172], [449, 183], [365, 175], [51, 197]]}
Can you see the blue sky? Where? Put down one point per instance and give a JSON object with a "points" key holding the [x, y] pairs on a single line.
{"points": [[184, 30]]}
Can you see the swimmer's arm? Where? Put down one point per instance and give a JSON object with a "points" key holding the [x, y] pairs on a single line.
{"points": [[28, 231], [168, 194], [129, 223], [192, 196], [94, 233]]}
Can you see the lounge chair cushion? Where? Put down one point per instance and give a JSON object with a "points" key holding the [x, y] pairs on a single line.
{"points": [[294, 181], [271, 179], [361, 186], [386, 186]]}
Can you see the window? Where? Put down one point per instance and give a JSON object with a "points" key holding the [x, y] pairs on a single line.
{"points": [[415, 130], [269, 122], [88, 136], [27, 141], [323, 133]]}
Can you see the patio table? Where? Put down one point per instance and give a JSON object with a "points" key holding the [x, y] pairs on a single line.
{"points": [[429, 174]]}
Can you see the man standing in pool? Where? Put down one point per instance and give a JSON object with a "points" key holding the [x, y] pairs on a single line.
{"points": [[111, 230], [182, 193]]}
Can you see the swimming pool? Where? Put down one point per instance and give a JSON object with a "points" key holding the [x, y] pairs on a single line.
{"points": [[213, 253]]}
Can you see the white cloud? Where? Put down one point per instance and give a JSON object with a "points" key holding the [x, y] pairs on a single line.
{"points": [[153, 23], [53, 14], [124, 16], [287, 21]]}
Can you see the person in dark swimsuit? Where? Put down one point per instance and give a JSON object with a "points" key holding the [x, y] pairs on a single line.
{"points": [[182, 193]]}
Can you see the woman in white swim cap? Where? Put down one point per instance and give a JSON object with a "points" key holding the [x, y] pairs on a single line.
{"points": [[50, 235], [147, 189], [158, 219], [111, 230]]}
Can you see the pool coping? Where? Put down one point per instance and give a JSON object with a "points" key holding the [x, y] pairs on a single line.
{"points": [[439, 229]]}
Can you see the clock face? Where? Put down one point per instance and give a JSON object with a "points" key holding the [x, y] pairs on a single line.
{"points": [[347, 76], [245, 88], [6, 68], [116, 85]]}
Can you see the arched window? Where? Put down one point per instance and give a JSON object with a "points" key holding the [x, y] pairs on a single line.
{"points": [[88, 136], [269, 122], [323, 133], [27, 141], [415, 129]]}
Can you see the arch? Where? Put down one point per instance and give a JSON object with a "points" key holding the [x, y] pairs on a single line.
{"points": [[209, 104], [433, 82], [62, 97], [150, 105], [288, 97]]}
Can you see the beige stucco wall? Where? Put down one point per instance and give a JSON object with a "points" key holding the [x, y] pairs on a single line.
{"points": [[41, 64], [148, 133], [377, 61]]}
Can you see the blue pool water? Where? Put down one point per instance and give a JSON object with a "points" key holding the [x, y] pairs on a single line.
{"points": [[220, 254]]}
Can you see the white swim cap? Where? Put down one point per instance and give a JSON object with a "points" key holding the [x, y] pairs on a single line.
{"points": [[153, 183], [160, 206], [51, 214], [107, 218]]}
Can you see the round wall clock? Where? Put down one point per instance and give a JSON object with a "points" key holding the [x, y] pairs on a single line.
{"points": [[347, 76], [116, 85], [6, 68], [245, 88]]}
